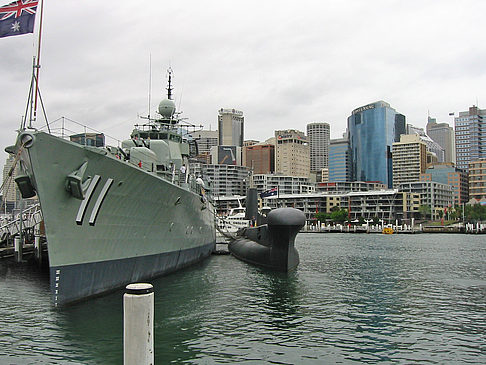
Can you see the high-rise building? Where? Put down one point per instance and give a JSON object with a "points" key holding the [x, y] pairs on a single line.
{"points": [[477, 179], [260, 158], [10, 190], [226, 155], [250, 142], [373, 129], [446, 173], [443, 134], [432, 147], [205, 140], [470, 129], [230, 127], [291, 153], [339, 160], [318, 137], [409, 159]]}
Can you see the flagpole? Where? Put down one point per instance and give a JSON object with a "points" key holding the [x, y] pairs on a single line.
{"points": [[37, 66]]}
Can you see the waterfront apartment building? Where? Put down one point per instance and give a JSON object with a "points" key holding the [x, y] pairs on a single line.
{"points": [[477, 179], [318, 137], [341, 187], [309, 204], [446, 173], [260, 158], [231, 127], [387, 205], [433, 194], [373, 129], [339, 160], [443, 134], [284, 184], [291, 153], [409, 158], [470, 129]]}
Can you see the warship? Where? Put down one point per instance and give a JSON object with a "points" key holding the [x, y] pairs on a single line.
{"points": [[116, 215]]}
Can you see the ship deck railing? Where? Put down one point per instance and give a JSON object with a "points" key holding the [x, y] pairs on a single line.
{"points": [[65, 128]]}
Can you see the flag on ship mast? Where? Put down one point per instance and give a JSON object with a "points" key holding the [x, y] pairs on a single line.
{"points": [[17, 18], [270, 192]]}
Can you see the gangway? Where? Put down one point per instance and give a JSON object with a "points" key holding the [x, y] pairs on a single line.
{"points": [[31, 217]]}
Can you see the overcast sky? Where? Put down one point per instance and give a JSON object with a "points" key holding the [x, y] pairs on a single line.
{"points": [[284, 64]]}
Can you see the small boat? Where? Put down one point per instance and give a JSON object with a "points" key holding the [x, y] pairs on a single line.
{"points": [[228, 225], [387, 230]]}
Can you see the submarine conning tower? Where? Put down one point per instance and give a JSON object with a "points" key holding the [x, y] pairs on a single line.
{"points": [[284, 224]]}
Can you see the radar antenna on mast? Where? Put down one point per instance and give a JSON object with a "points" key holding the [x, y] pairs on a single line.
{"points": [[169, 88]]}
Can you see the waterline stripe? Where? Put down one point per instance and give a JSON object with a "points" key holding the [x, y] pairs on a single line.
{"points": [[99, 201], [87, 198]]}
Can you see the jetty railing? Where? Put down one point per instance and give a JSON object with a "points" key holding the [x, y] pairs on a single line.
{"points": [[30, 217]]}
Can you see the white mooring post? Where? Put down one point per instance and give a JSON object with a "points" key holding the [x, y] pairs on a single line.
{"points": [[37, 244], [138, 324], [18, 249]]}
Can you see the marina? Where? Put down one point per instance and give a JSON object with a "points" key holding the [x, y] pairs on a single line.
{"points": [[353, 298], [143, 248]]}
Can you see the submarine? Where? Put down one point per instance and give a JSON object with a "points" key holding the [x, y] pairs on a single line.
{"points": [[271, 243]]}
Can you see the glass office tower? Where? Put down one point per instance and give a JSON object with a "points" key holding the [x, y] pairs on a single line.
{"points": [[339, 160], [372, 130]]}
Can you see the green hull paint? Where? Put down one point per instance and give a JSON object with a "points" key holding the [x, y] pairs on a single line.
{"points": [[141, 214]]}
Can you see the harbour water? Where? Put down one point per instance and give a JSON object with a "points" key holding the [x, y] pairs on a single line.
{"points": [[353, 299]]}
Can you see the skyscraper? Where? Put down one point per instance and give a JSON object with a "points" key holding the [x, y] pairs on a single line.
{"points": [[291, 153], [205, 140], [260, 158], [443, 134], [318, 137], [470, 129], [409, 159], [230, 127], [373, 129], [477, 179], [339, 160]]}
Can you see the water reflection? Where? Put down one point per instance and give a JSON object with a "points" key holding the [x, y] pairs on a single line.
{"points": [[280, 294], [354, 298]]}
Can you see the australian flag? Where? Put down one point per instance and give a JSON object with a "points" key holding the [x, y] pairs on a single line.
{"points": [[268, 193], [17, 17]]}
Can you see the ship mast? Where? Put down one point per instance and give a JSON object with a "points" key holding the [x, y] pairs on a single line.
{"points": [[169, 88], [34, 92], [37, 65]]}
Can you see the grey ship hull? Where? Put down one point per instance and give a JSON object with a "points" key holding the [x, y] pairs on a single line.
{"points": [[134, 226]]}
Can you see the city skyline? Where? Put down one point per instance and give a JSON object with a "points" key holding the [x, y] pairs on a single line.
{"points": [[283, 65]]}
